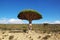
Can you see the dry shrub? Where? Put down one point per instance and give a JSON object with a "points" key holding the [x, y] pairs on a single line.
{"points": [[11, 37], [24, 29], [3, 32], [46, 37]]}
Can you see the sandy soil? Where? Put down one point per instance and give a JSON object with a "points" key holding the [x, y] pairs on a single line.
{"points": [[30, 35]]}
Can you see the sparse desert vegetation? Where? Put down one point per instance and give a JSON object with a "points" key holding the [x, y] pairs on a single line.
{"points": [[21, 32], [39, 27]]}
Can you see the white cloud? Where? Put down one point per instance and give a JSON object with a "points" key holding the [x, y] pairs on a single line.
{"points": [[54, 22], [19, 21], [11, 21], [57, 22], [45, 22]]}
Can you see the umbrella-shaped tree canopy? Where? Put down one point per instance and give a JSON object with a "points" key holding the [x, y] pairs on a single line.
{"points": [[29, 15]]}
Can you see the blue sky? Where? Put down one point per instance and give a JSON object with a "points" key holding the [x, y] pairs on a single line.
{"points": [[50, 9]]}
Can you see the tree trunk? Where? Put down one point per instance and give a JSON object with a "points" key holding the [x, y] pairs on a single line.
{"points": [[30, 25]]}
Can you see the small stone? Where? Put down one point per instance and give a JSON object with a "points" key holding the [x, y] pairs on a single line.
{"points": [[39, 37]]}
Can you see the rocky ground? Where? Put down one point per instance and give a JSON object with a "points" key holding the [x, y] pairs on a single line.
{"points": [[29, 35]]}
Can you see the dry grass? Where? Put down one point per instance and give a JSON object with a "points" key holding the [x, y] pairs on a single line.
{"points": [[39, 27]]}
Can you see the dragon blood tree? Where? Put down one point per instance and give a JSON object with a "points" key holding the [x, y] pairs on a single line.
{"points": [[29, 15]]}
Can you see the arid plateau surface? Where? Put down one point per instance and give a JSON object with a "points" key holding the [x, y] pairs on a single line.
{"points": [[21, 32]]}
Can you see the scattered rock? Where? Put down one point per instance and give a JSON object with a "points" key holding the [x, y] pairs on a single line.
{"points": [[39, 37], [31, 39]]}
